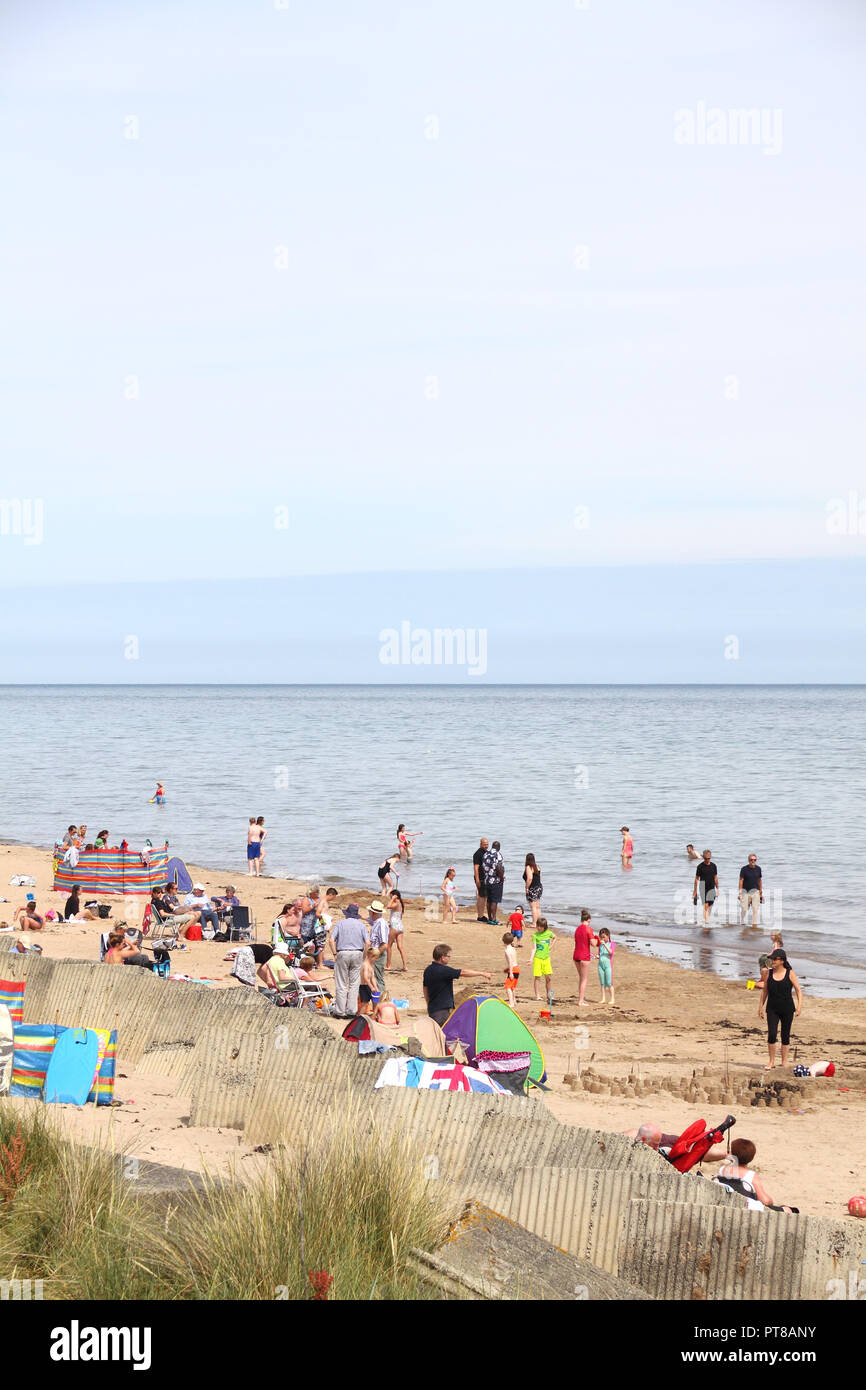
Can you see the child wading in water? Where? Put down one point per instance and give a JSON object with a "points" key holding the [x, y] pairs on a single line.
{"points": [[449, 902], [627, 849], [512, 969], [605, 965], [542, 940]]}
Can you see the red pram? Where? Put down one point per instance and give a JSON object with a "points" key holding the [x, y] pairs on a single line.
{"points": [[695, 1143]]}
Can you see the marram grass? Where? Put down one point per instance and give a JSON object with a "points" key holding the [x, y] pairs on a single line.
{"points": [[354, 1205]]}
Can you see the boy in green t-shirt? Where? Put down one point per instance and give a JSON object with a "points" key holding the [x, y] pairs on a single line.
{"points": [[542, 941]]}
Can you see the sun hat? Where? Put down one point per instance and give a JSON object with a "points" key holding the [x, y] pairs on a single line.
{"points": [[376, 906], [351, 910], [197, 886]]}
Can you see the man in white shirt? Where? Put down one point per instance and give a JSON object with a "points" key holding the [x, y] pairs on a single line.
{"points": [[198, 901], [378, 941]]}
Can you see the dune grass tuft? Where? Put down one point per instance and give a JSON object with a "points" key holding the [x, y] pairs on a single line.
{"points": [[351, 1206]]}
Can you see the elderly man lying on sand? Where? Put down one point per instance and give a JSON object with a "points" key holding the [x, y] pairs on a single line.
{"points": [[734, 1174], [654, 1137]]}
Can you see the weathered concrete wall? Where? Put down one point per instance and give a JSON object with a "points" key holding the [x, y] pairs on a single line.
{"points": [[489, 1257], [680, 1251], [583, 1210]]}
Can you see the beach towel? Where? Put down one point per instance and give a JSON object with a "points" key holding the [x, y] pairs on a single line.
{"points": [[435, 1076], [12, 995], [244, 968], [502, 1061], [34, 1044]]}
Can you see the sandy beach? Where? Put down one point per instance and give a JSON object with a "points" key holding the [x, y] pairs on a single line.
{"points": [[669, 1025]]}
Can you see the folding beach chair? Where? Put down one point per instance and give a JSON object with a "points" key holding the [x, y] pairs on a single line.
{"points": [[308, 989], [278, 978], [242, 925], [164, 932]]}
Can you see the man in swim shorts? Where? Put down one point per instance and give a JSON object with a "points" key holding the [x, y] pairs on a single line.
{"points": [[706, 882], [255, 835]]}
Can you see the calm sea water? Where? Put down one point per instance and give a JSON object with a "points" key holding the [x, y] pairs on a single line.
{"points": [[554, 770]]}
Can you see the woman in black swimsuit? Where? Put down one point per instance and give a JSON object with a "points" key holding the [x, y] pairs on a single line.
{"points": [[385, 870], [777, 997], [534, 890]]}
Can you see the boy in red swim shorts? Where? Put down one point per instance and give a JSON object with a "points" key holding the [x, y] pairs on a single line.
{"points": [[512, 970]]}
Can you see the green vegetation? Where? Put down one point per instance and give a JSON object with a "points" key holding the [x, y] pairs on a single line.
{"points": [[353, 1207]]}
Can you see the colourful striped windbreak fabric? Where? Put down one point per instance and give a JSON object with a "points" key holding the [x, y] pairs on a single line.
{"points": [[113, 871], [34, 1044], [12, 995], [103, 1091]]}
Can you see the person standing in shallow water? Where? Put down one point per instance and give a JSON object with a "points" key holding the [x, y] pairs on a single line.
{"points": [[706, 883], [263, 835], [627, 849], [750, 890], [254, 849]]}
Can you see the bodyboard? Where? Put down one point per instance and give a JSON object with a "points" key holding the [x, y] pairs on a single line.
{"points": [[72, 1068]]}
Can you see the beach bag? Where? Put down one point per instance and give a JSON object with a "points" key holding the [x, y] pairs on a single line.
{"points": [[193, 932], [162, 968], [221, 936], [104, 909]]}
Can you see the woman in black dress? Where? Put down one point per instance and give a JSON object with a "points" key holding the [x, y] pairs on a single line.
{"points": [[777, 997]]}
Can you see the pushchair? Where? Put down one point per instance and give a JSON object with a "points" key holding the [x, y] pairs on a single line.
{"points": [[695, 1143]]}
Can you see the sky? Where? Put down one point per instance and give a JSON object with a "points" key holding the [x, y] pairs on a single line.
{"points": [[298, 291]]}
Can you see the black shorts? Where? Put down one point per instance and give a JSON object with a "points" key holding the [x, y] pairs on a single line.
{"points": [[365, 994], [494, 892]]}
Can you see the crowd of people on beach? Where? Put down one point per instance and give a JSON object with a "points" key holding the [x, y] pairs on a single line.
{"points": [[341, 961], [362, 944]]}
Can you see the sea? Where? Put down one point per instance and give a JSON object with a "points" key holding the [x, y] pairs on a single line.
{"points": [[556, 770]]}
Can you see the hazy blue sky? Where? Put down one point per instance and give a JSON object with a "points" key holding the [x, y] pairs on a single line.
{"points": [[439, 376]]}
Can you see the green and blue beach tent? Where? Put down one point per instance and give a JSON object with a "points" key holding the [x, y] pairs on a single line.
{"points": [[488, 1029]]}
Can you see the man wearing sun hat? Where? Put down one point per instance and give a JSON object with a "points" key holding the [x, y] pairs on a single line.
{"points": [[198, 901], [378, 941]]}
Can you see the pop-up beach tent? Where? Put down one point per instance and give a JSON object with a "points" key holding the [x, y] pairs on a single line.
{"points": [[495, 1039], [113, 871], [178, 874]]}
